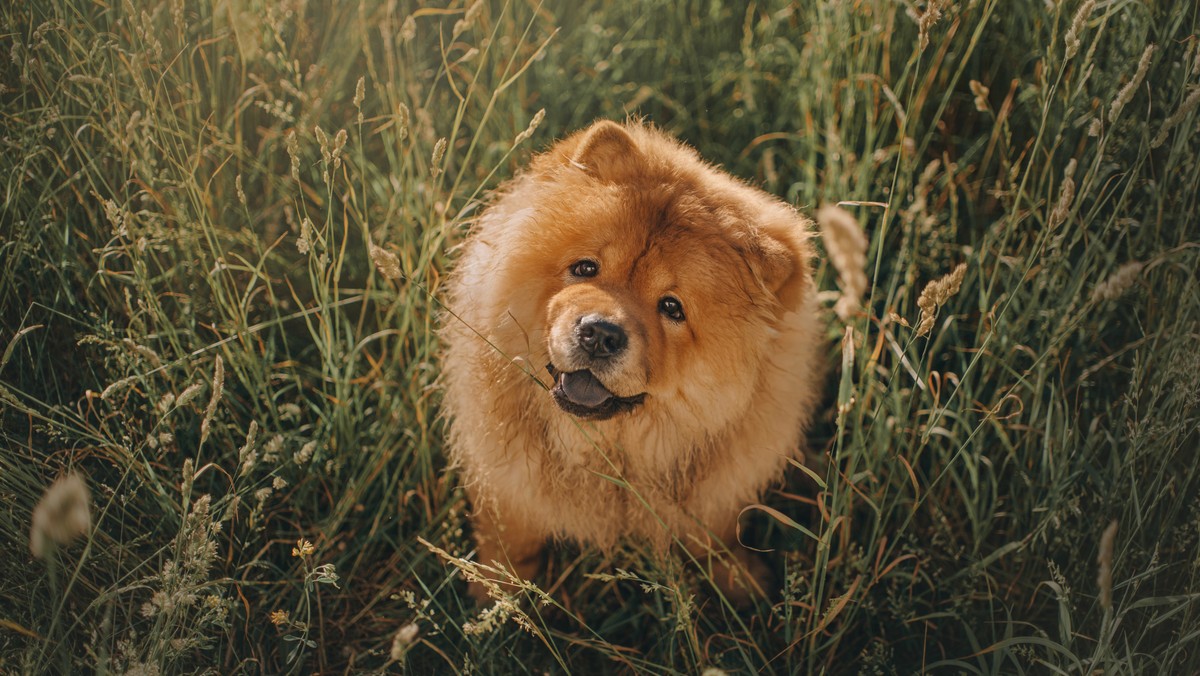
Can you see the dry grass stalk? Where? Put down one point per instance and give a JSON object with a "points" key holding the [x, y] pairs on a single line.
{"points": [[61, 515], [847, 247], [936, 294], [1104, 576]]}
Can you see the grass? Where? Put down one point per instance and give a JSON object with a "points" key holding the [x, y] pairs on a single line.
{"points": [[193, 190]]}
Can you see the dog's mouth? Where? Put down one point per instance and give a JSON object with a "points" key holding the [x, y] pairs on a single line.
{"points": [[582, 395]]}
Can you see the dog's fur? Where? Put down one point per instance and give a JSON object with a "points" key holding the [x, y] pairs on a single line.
{"points": [[704, 412]]}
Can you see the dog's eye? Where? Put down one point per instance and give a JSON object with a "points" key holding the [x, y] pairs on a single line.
{"points": [[585, 268], [671, 308]]}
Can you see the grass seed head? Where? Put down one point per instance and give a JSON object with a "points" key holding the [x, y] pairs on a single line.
{"points": [[1116, 284], [1126, 94], [1186, 108], [981, 95], [936, 294], [218, 390], [306, 452], [403, 640], [188, 394], [293, 151], [435, 161], [847, 248], [1077, 25], [360, 93], [402, 120], [533, 125], [63, 513], [387, 263], [1066, 196]]}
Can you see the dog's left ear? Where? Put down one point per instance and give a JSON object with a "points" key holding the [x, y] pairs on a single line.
{"points": [[606, 150], [785, 258]]}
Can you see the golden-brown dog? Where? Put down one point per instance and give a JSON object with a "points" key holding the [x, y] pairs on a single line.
{"points": [[631, 352]]}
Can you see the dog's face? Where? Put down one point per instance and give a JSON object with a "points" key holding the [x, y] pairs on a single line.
{"points": [[656, 293]]}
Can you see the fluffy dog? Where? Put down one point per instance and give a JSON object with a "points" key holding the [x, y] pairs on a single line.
{"points": [[630, 353]]}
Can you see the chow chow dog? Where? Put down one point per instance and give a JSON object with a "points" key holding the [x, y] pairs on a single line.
{"points": [[630, 354]]}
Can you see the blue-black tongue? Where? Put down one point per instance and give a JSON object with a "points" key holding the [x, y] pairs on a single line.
{"points": [[582, 388]]}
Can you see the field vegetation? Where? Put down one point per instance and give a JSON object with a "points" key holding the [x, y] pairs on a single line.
{"points": [[224, 233]]}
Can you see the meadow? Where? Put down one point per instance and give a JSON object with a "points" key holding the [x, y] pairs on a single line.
{"points": [[226, 226]]}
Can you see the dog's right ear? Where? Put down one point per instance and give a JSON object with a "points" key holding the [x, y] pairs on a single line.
{"points": [[606, 150]]}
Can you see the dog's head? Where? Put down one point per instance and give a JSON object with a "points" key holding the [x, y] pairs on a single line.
{"points": [[662, 278]]}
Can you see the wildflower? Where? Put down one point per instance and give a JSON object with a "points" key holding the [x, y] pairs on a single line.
{"points": [[1104, 576], [847, 247], [61, 515], [279, 617], [435, 161], [533, 125], [936, 294], [1118, 282], [1077, 24], [403, 641], [303, 549], [218, 390], [386, 262], [1126, 94]]}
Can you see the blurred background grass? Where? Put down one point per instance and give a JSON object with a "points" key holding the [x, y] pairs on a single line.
{"points": [[191, 322]]}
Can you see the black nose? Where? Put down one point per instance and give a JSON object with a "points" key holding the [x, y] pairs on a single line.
{"points": [[601, 339]]}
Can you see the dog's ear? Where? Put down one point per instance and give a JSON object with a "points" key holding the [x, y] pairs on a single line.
{"points": [[606, 150], [784, 256]]}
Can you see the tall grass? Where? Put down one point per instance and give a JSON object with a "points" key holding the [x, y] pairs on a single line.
{"points": [[192, 323]]}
